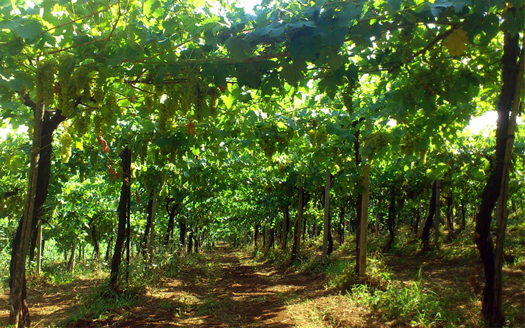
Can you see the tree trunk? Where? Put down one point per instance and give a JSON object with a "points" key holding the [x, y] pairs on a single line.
{"points": [[418, 219], [147, 228], [19, 312], [49, 126], [152, 224], [326, 227], [256, 234], [183, 231], [39, 249], [72, 256], [425, 237], [341, 227], [265, 232], [463, 214], [437, 215], [449, 215], [272, 236], [128, 225], [362, 224], [171, 218], [196, 240], [190, 241], [125, 194], [509, 102], [108, 249], [94, 238], [296, 248], [391, 219], [286, 228]]}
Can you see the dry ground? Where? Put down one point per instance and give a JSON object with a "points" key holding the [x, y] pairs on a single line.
{"points": [[230, 289]]}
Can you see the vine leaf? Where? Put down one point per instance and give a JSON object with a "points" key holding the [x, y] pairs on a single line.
{"points": [[456, 43], [30, 30]]}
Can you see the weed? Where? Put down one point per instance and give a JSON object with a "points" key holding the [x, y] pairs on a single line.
{"points": [[97, 305], [411, 304]]}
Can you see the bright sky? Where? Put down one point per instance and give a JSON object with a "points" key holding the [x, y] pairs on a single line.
{"points": [[486, 123], [249, 4]]}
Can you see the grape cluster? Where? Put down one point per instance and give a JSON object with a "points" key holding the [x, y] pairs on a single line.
{"points": [[66, 142], [105, 115], [82, 82], [143, 152], [98, 94], [318, 137], [348, 97], [98, 124], [170, 106], [214, 95], [149, 97], [199, 104], [113, 172], [268, 146], [82, 123], [190, 96], [67, 91], [191, 128], [103, 144], [45, 81]]}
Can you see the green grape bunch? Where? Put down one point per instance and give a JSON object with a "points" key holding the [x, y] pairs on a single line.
{"points": [[348, 97], [45, 82], [82, 123], [66, 142], [67, 94], [99, 125], [214, 95], [82, 81]]}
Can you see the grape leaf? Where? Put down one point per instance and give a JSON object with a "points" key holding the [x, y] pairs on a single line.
{"points": [[456, 43], [29, 30]]}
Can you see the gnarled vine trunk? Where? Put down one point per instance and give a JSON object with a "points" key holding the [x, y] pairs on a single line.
{"points": [[19, 312], [49, 125], [125, 195], [425, 237], [296, 248], [512, 78], [327, 230]]}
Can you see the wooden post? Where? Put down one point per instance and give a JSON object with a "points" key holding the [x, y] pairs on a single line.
{"points": [[437, 215], [326, 227], [39, 249], [152, 232], [362, 228]]}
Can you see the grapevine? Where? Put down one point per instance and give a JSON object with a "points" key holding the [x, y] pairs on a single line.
{"points": [[103, 144], [82, 123], [148, 97], [201, 91], [106, 114], [82, 81], [214, 97], [66, 142], [68, 91], [169, 107], [45, 82], [99, 125], [348, 95]]}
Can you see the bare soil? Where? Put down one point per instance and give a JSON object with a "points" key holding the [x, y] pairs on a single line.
{"points": [[230, 289]]}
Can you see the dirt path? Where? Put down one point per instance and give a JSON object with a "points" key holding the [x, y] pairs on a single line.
{"points": [[232, 292], [49, 304], [226, 289]]}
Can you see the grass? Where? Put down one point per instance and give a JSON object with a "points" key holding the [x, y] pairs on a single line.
{"points": [[412, 304], [98, 306]]}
